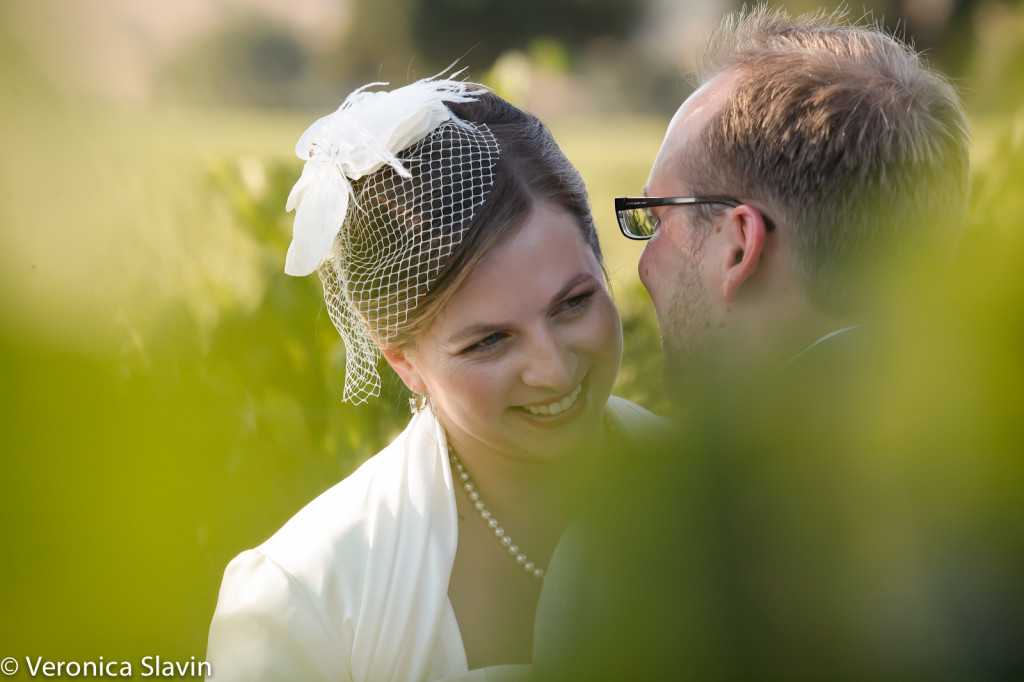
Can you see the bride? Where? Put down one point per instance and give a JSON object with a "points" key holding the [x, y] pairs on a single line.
{"points": [[454, 237]]}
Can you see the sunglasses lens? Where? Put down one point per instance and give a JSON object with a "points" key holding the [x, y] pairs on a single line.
{"points": [[638, 222]]}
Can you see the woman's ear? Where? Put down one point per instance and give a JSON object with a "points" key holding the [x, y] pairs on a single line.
{"points": [[747, 233], [404, 365]]}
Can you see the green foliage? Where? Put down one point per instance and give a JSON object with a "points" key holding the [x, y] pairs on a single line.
{"points": [[641, 378]]}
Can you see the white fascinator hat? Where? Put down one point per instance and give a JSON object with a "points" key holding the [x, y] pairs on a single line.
{"points": [[391, 181]]}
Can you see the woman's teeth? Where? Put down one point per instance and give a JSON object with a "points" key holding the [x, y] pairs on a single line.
{"points": [[558, 407]]}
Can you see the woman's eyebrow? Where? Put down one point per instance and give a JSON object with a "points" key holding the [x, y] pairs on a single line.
{"points": [[476, 331], [570, 285], [485, 328]]}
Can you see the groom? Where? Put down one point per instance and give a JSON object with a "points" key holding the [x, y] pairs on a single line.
{"points": [[839, 158], [783, 533]]}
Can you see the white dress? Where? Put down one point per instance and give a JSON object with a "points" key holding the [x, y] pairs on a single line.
{"points": [[355, 586]]}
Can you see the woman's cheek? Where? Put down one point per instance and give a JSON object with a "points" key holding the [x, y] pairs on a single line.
{"points": [[486, 385], [606, 333]]}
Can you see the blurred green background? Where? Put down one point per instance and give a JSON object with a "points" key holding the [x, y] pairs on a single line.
{"points": [[170, 397]]}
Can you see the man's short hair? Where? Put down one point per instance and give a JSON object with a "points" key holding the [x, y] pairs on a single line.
{"points": [[860, 148]]}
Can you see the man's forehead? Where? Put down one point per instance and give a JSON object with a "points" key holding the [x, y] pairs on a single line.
{"points": [[686, 124], [701, 105]]}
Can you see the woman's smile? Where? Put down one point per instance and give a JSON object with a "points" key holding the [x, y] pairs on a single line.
{"points": [[556, 407], [556, 414]]}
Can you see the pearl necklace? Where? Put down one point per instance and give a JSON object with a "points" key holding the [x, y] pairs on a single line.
{"points": [[459, 472]]}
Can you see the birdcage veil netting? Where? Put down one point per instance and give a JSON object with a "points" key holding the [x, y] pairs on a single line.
{"points": [[397, 237]]}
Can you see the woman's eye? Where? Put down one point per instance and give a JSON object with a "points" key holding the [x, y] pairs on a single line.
{"points": [[576, 302], [485, 344]]}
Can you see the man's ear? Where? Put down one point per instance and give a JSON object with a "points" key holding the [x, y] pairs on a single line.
{"points": [[746, 233], [405, 368]]}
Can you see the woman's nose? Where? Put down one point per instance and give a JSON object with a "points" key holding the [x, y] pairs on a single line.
{"points": [[550, 364]]}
